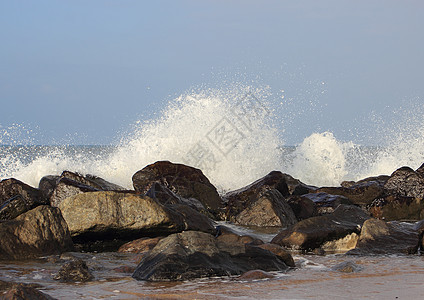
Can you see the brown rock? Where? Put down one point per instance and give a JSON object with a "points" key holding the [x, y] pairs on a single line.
{"points": [[74, 271], [313, 232], [405, 182], [185, 181], [379, 237], [21, 291], [17, 197], [282, 253], [39, 232], [303, 207], [395, 207], [141, 245]]}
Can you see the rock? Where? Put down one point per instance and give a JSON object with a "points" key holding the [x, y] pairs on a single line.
{"points": [[39, 232], [17, 197], [395, 207], [185, 181], [141, 245], [282, 253], [269, 209], [74, 271], [165, 196], [261, 203], [295, 186], [326, 203], [303, 207], [255, 275], [379, 237], [405, 182], [58, 188], [23, 291], [381, 179], [347, 267], [313, 232], [233, 243], [341, 245], [107, 215], [192, 254], [361, 193]]}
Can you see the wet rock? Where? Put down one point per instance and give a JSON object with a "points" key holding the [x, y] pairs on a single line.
{"points": [[326, 203], [313, 232], [303, 207], [279, 251], [39, 232], [69, 183], [269, 209], [107, 215], [379, 237], [255, 275], [165, 196], [261, 203], [361, 193], [347, 267], [295, 186], [20, 291], [395, 207], [341, 245], [17, 197], [233, 243], [405, 182], [192, 254], [141, 245], [74, 271], [185, 181]]}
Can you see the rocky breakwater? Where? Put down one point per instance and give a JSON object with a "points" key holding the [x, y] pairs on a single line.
{"points": [[170, 220]]}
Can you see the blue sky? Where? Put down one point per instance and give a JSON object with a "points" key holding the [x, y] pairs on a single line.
{"points": [[82, 71]]}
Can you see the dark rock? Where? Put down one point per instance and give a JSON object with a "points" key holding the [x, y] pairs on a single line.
{"points": [[282, 253], [303, 207], [21, 291], [17, 197], [233, 243], [66, 188], [360, 193], [109, 214], [347, 267], [58, 188], [47, 185], [420, 170], [379, 237], [191, 254], [395, 207], [269, 209], [185, 181], [313, 232], [165, 196], [261, 203], [255, 275], [405, 182], [295, 186], [326, 203], [39, 232], [74, 271], [381, 179]]}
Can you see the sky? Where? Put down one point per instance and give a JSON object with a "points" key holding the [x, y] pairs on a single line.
{"points": [[82, 71]]}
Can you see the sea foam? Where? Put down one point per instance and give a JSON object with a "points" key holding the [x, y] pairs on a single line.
{"points": [[231, 135]]}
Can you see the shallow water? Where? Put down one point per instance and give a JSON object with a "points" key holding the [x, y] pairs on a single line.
{"points": [[382, 277]]}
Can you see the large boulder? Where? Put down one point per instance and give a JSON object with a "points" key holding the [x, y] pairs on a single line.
{"points": [[360, 193], [17, 197], [185, 181], [312, 233], [395, 207], [325, 203], [269, 209], [261, 203], [58, 188], [108, 214], [192, 254], [406, 182], [303, 207], [39, 232], [379, 237]]}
